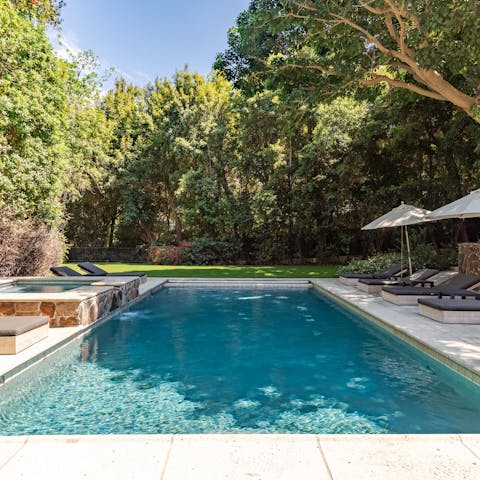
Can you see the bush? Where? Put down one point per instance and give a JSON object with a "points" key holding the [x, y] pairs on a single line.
{"points": [[207, 251], [28, 247], [271, 250], [423, 256], [169, 255], [372, 264]]}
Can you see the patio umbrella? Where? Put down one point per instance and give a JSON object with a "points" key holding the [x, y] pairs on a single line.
{"points": [[465, 207], [401, 216]]}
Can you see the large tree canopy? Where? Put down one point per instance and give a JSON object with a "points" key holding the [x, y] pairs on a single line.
{"points": [[431, 47], [285, 162]]}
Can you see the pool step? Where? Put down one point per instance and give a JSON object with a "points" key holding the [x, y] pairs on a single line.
{"points": [[20, 332]]}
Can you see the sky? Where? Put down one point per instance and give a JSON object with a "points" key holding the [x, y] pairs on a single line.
{"points": [[148, 38]]}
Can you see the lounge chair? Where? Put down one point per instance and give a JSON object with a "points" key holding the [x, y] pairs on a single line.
{"points": [[68, 272], [352, 278], [410, 295], [99, 272], [419, 278], [452, 310]]}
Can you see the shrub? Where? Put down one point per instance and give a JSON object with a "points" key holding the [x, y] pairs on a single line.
{"points": [[168, 255], [422, 256], [28, 247], [207, 251], [372, 264], [272, 250]]}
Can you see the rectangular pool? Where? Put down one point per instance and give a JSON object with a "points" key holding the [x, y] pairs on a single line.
{"points": [[200, 360], [42, 286]]}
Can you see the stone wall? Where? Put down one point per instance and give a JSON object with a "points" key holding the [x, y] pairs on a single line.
{"points": [[70, 313], [469, 258]]}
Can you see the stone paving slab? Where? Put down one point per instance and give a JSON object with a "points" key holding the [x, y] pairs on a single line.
{"points": [[400, 457], [456, 344], [256, 457], [92, 457], [241, 457]]}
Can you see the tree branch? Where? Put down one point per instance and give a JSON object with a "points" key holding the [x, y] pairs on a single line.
{"points": [[376, 79]]}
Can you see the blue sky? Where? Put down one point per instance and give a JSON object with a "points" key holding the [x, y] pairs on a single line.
{"points": [[150, 38]]}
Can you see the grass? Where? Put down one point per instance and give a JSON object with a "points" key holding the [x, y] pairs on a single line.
{"points": [[241, 271]]}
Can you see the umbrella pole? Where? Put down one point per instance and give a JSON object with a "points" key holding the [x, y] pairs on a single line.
{"points": [[401, 250], [408, 250]]}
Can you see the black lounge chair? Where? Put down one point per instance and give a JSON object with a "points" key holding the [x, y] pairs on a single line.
{"points": [[68, 272], [409, 295], [353, 278], [99, 272], [451, 310], [419, 278]]}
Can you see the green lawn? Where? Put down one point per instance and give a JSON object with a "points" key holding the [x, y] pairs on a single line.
{"points": [[275, 271]]}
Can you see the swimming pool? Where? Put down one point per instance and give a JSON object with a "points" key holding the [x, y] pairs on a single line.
{"points": [[202, 360], [43, 286]]}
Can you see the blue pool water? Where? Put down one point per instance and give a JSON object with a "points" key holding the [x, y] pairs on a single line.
{"points": [[266, 361], [40, 287]]}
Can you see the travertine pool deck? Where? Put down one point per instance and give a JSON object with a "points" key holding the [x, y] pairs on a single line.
{"points": [[241, 457], [260, 457]]}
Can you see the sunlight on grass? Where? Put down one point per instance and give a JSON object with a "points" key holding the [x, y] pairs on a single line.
{"points": [[222, 271]]}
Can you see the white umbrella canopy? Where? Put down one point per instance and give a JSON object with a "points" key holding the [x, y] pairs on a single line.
{"points": [[401, 216], [465, 207]]}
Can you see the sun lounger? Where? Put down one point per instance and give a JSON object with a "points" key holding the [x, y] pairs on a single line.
{"points": [[419, 278], [95, 270], [68, 272], [410, 295], [19, 333], [352, 278], [448, 310]]}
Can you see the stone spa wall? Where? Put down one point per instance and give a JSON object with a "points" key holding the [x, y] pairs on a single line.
{"points": [[70, 312]]}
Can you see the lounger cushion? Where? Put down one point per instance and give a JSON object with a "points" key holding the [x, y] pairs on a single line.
{"points": [[421, 275], [96, 270], [458, 281], [358, 275], [65, 272], [447, 304], [13, 326]]}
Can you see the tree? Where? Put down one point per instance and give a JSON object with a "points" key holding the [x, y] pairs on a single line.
{"points": [[45, 11], [430, 47], [33, 119]]}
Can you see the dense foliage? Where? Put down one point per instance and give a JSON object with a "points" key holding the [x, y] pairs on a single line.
{"points": [[272, 158]]}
